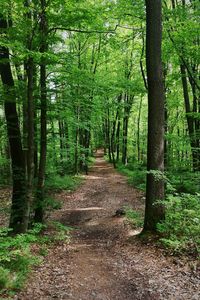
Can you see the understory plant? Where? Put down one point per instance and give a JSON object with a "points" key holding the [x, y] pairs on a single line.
{"points": [[136, 174], [181, 228], [17, 256], [59, 183], [134, 217]]}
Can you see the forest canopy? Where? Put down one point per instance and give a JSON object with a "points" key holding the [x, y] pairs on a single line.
{"points": [[75, 76]]}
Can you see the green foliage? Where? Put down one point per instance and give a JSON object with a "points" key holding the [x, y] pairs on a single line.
{"points": [[157, 175], [185, 182], [67, 182], [135, 217], [4, 278], [4, 171], [62, 232], [136, 174], [181, 226], [16, 258], [51, 204]]}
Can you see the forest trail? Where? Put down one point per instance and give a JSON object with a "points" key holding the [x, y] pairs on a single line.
{"points": [[100, 262]]}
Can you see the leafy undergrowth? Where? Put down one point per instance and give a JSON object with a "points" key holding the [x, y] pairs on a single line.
{"points": [[181, 228], [185, 182], [17, 255], [135, 218], [136, 174], [182, 181], [59, 183], [179, 233]]}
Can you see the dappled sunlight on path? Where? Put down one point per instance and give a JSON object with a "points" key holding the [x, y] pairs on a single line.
{"points": [[105, 260]]}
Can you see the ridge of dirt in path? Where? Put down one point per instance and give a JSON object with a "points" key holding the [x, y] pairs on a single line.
{"points": [[100, 263]]}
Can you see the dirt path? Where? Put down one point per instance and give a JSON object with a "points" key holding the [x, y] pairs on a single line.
{"points": [[100, 263]]}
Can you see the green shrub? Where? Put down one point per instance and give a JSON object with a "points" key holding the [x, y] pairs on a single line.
{"points": [[136, 174], [4, 278], [16, 258], [134, 217], [62, 232], [5, 178], [51, 203], [181, 227], [185, 182], [58, 183]]}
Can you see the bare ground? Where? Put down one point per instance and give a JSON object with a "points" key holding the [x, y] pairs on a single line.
{"points": [[104, 259]]}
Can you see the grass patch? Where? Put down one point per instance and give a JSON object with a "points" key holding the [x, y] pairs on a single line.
{"points": [[136, 174], [58, 183], [91, 161], [135, 218]]}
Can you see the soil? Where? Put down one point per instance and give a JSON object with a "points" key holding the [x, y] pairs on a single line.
{"points": [[105, 259]]}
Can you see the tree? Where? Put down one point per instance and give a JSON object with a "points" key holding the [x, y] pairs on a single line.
{"points": [[39, 211], [154, 212], [19, 211], [77, 79]]}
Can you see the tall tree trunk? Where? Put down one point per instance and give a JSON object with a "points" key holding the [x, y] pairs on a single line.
{"points": [[138, 130], [67, 145], [77, 134], [196, 121], [155, 151], [108, 135], [19, 199], [61, 137], [31, 142], [125, 140], [118, 140], [128, 100], [39, 211], [189, 118], [113, 134]]}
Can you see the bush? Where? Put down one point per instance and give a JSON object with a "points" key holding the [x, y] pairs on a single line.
{"points": [[185, 182], [181, 227], [134, 217], [58, 183], [5, 176], [16, 258], [136, 174], [4, 278]]}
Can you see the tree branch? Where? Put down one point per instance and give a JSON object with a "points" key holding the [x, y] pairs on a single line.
{"points": [[92, 31]]}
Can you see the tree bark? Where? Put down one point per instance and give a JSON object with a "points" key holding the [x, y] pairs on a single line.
{"points": [[138, 130], [19, 199], [155, 149], [190, 122], [128, 101], [39, 211]]}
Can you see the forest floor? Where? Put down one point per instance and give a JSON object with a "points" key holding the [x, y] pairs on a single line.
{"points": [[105, 260]]}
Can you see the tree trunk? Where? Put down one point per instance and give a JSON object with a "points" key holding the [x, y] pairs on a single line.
{"points": [[19, 199], [118, 140], [31, 143], [128, 100], [190, 122], [114, 133], [39, 211], [138, 130], [108, 135], [155, 149], [61, 137]]}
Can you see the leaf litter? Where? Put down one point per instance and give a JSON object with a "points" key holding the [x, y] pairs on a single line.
{"points": [[104, 259]]}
